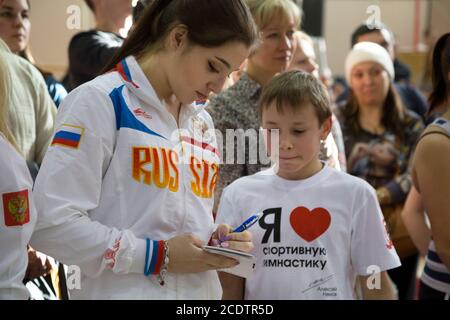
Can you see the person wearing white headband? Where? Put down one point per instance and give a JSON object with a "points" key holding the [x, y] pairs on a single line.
{"points": [[365, 52], [379, 137]]}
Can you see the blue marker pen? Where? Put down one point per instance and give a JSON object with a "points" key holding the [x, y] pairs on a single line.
{"points": [[249, 222]]}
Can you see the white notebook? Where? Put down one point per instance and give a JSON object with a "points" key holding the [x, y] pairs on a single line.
{"points": [[246, 261]]}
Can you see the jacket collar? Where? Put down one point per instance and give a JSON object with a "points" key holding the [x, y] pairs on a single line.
{"points": [[135, 80]]}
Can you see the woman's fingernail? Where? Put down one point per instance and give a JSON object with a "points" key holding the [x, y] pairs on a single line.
{"points": [[224, 244], [224, 238]]}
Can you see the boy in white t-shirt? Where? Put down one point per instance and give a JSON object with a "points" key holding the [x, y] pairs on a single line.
{"points": [[321, 234]]}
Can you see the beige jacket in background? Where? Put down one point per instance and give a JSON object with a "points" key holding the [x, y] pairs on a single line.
{"points": [[32, 111]]}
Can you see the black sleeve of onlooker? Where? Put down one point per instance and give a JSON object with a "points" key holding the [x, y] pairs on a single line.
{"points": [[412, 99], [402, 72], [89, 52]]}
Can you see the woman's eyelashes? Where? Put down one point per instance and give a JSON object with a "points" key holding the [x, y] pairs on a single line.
{"points": [[371, 72], [298, 131], [6, 14], [212, 68], [11, 15], [289, 34], [375, 72]]}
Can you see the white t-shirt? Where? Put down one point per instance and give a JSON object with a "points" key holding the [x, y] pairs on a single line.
{"points": [[17, 221], [315, 237]]}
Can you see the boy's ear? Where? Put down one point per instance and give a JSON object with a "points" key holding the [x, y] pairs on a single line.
{"points": [[326, 128], [177, 37]]}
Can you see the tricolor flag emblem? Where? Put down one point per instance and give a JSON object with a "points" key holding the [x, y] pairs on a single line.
{"points": [[199, 103], [68, 136]]}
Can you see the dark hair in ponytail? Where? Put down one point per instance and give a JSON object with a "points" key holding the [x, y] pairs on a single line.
{"points": [[210, 23], [441, 68]]}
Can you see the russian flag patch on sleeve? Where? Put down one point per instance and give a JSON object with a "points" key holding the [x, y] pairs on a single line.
{"points": [[68, 136]]}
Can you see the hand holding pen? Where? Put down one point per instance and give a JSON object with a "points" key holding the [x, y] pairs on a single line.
{"points": [[238, 238], [248, 223]]}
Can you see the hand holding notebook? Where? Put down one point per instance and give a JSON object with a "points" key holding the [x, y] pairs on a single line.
{"points": [[246, 261]]}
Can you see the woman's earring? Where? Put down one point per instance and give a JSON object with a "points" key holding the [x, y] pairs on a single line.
{"points": [[322, 143]]}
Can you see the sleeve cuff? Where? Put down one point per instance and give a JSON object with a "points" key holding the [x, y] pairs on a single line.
{"points": [[137, 265]]}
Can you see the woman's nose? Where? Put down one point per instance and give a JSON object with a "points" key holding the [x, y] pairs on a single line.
{"points": [[368, 79], [18, 21], [216, 85], [287, 43]]}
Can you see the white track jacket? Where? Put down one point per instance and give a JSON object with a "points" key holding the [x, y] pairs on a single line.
{"points": [[17, 221], [120, 170]]}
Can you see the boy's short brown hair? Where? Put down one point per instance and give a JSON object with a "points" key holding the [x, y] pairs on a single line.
{"points": [[295, 89]]}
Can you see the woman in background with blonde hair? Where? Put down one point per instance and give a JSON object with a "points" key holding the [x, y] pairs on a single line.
{"points": [[237, 107]]}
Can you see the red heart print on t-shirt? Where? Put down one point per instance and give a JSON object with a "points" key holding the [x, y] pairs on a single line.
{"points": [[310, 225]]}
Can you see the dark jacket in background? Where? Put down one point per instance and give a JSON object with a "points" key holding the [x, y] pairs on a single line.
{"points": [[89, 53], [402, 72]]}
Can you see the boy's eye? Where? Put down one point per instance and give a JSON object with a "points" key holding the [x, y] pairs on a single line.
{"points": [[299, 131], [212, 68]]}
